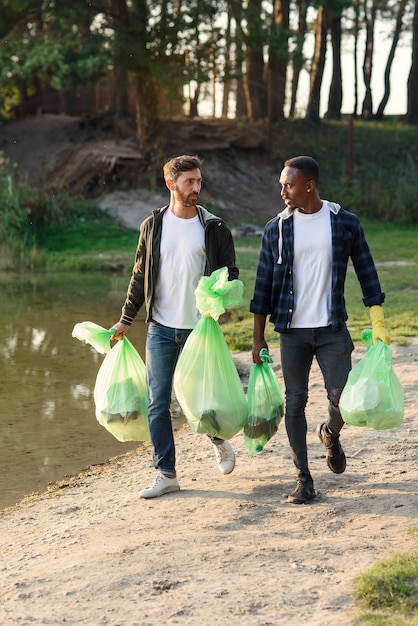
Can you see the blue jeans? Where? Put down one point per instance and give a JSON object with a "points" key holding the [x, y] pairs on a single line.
{"points": [[332, 350], [162, 349]]}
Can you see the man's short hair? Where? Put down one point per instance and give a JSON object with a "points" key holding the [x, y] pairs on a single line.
{"points": [[305, 164], [184, 163]]}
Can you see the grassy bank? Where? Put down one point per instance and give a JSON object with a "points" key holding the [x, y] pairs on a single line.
{"points": [[101, 245], [395, 254], [388, 592]]}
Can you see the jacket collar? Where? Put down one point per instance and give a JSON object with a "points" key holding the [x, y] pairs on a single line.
{"points": [[287, 213], [333, 207]]}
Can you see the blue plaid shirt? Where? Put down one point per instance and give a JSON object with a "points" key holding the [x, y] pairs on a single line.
{"points": [[273, 291]]}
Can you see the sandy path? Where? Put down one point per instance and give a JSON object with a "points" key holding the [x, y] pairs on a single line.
{"points": [[225, 549]]}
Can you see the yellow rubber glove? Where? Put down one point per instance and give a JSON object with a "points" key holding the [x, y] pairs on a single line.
{"points": [[378, 324]]}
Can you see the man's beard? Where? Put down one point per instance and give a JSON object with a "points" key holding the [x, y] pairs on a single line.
{"points": [[189, 200]]}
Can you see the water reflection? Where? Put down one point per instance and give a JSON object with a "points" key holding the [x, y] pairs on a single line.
{"points": [[48, 427]]}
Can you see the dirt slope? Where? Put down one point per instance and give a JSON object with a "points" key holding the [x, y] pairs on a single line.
{"points": [[98, 156]]}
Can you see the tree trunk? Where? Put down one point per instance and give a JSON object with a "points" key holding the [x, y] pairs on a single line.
{"points": [[297, 56], [367, 109], [146, 111], [335, 98], [278, 59], [254, 83], [23, 99], [213, 84], [412, 111], [120, 99], [227, 69], [236, 9], [355, 55], [193, 101], [396, 35], [120, 104], [317, 67], [241, 101]]}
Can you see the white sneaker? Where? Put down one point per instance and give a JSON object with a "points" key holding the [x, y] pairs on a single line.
{"points": [[225, 456], [162, 484]]}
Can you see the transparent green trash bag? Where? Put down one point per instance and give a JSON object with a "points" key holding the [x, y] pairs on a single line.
{"points": [[121, 393], [265, 404], [206, 382], [95, 335], [373, 395], [215, 293]]}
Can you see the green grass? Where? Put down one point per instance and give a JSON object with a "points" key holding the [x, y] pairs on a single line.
{"points": [[103, 245], [97, 245], [91, 237], [388, 592], [388, 243]]}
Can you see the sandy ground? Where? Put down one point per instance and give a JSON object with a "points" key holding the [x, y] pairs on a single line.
{"points": [[225, 549]]}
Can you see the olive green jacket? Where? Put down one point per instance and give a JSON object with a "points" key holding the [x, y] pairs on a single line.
{"points": [[220, 252]]}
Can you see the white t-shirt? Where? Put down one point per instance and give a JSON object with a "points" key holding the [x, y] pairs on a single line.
{"points": [[312, 269], [182, 263]]}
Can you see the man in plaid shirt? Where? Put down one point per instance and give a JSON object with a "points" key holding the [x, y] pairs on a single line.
{"points": [[300, 285]]}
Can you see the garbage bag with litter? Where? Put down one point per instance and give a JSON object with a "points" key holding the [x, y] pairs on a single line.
{"points": [[265, 404], [206, 382], [121, 393], [373, 395]]}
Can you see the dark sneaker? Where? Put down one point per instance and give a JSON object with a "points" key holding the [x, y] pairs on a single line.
{"points": [[304, 491], [335, 456]]}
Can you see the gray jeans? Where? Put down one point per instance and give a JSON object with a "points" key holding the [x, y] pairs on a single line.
{"points": [[332, 350]]}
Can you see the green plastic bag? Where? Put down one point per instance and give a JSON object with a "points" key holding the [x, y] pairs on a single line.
{"points": [[121, 393], [373, 395], [265, 404], [95, 335], [206, 382], [207, 385], [215, 293]]}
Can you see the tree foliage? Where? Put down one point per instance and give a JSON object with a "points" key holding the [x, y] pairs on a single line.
{"points": [[165, 56]]}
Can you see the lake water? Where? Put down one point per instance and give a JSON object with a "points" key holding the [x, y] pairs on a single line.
{"points": [[48, 428]]}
